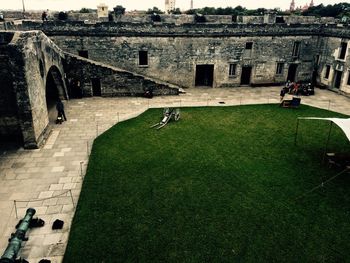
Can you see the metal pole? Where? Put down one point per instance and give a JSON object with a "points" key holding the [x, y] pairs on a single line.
{"points": [[81, 169], [71, 196], [14, 201], [24, 10], [296, 133], [87, 148], [326, 147]]}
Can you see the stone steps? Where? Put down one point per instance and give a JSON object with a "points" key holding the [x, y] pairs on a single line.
{"points": [[119, 70]]}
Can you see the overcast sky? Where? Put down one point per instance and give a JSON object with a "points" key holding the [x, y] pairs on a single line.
{"points": [[145, 4]]}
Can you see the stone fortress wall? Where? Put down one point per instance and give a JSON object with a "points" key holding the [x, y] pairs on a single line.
{"points": [[27, 58], [127, 58], [175, 51], [34, 74], [170, 18]]}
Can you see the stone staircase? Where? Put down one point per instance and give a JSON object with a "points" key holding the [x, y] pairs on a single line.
{"points": [[114, 81]]}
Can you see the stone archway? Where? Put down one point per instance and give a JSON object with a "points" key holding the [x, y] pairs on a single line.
{"points": [[55, 90]]}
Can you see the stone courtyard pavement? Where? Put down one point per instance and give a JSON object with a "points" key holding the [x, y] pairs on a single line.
{"points": [[49, 179]]}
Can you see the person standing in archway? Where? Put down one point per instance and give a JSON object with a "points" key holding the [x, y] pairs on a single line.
{"points": [[60, 110]]}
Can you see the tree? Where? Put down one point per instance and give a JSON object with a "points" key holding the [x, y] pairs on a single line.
{"points": [[208, 11], [176, 11], [191, 12], [84, 10], [337, 10], [62, 16], [155, 10], [119, 10]]}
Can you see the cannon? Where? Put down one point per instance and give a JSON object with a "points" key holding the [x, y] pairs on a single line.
{"points": [[168, 113], [17, 238]]}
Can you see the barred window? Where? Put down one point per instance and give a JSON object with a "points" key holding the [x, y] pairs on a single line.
{"points": [[279, 69], [143, 58], [232, 70], [296, 49], [343, 48]]}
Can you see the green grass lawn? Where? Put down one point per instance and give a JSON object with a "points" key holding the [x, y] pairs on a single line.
{"points": [[217, 186]]}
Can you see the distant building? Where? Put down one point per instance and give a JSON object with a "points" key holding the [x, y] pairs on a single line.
{"points": [[191, 7], [169, 5], [102, 11], [292, 6], [301, 8]]}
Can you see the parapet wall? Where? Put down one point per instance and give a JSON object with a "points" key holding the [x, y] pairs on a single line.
{"points": [[174, 19], [80, 28], [175, 50]]}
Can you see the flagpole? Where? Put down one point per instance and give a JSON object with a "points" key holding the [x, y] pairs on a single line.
{"points": [[23, 8]]}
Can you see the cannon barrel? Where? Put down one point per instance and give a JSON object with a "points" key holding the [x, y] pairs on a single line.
{"points": [[16, 239]]}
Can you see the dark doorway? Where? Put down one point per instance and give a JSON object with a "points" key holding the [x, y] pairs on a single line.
{"points": [[51, 96], [245, 77], [55, 89], [204, 75], [96, 87], [280, 20], [337, 79], [74, 88], [83, 53], [292, 72]]}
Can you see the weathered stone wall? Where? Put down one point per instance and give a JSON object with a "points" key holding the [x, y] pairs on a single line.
{"points": [[30, 57], [174, 50], [81, 16], [14, 15], [80, 28], [174, 59], [9, 124], [178, 49], [114, 81], [330, 57], [40, 51], [175, 19], [271, 19]]}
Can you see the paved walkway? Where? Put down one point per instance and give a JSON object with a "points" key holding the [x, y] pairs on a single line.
{"points": [[49, 179]]}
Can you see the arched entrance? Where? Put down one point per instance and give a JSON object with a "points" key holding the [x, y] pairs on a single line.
{"points": [[55, 90]]}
